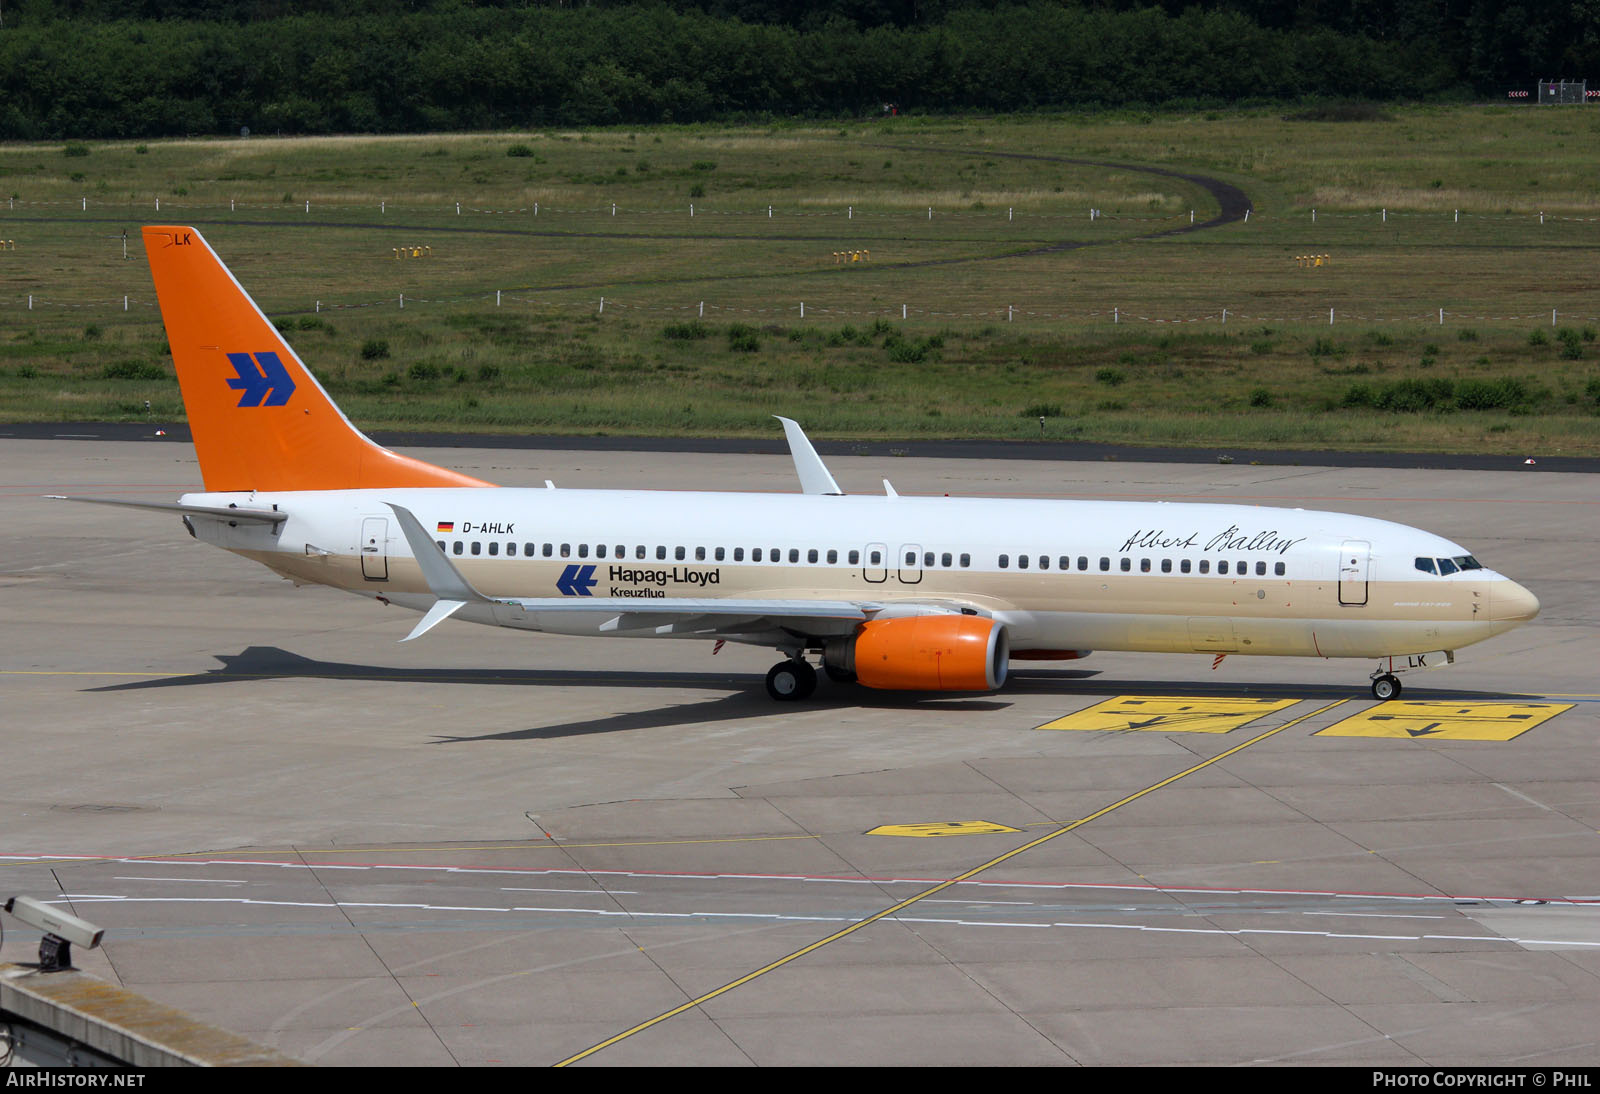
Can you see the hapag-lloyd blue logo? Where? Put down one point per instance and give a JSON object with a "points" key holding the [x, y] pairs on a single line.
{"points": [[576, 580], [260, 374]]}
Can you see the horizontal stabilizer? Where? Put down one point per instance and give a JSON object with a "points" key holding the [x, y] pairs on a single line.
{"points": [[227, 512]]}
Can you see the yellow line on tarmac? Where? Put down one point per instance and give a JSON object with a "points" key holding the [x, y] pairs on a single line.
{"points": [[939, 888]]}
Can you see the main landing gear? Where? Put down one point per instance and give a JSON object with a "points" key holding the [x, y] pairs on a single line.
{"points": [[791, 680]]}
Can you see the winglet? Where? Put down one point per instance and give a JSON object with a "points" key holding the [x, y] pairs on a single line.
{"points": [[444, 580], [441, 610], [814, 476]]}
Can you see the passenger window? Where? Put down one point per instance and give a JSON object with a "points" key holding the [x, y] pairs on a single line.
{"points": [[911, 558], [583, 550], [966, 560], [1261, 569], [661, 553], [639, 551], [833, 556], [440, 544], [494, 548], [1205, 565], [876, 558], [1222, 567], [457, 547], [1426, 566], [566, 550], [755, 554], [738, 554], [1044, 562], [720, 554], [1166, 565], [794, 554], [678, 553], [811, 555], [854, 557], [477, 548], [511, 548], [1064, 563], [944, 560], [1126, 564], [1183, 565], [1105, 564], [1144, 565], [927, 558], [529, 549], [600, 550], [699, 554], [1446, 567], [548, 547], [1278, 569], [1083, 562], [1022, 562], [1005, 561]]}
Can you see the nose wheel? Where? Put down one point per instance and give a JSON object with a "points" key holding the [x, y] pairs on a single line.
{"points": [[791, 681], [1385, 687]]}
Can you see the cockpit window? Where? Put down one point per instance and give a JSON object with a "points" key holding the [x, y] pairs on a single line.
{"points": [[1447, 567], [1426, 566], [1467, 562]]}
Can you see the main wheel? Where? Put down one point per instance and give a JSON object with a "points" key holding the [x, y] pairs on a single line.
{"points": [[1386, 687], [788, 681]]}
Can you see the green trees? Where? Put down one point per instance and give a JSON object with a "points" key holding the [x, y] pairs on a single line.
{"points": [[73, 69]]}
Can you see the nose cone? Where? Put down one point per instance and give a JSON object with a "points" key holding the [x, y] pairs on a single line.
{"points": [[1511, 603]]}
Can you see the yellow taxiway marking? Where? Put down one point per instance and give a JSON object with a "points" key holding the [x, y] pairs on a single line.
{"points": [[1169, 714], [1446, 721], [941, 828], [895, 909]]}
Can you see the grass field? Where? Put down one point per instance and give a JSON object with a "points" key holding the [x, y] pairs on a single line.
{"points": [[1008, 302]]}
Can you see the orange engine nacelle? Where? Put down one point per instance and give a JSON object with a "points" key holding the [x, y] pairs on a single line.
{"points": [[926, 653]]}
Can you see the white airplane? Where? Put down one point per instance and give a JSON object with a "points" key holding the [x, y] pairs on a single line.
{"points": [[908, 593]]}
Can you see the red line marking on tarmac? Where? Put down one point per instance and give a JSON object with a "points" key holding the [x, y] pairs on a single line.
{"points": [[17, 859]]}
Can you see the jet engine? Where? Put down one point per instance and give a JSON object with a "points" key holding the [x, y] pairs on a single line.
{"points": [[923, 653]]}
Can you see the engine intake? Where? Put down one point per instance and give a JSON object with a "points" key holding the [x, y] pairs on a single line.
{"points": [[924, 653]]}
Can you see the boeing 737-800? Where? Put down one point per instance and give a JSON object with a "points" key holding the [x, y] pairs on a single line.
{"points": [[910, 593]]}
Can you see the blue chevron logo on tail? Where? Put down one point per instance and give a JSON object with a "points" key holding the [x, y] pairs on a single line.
{"points": [[259, 374], [576, 580]]}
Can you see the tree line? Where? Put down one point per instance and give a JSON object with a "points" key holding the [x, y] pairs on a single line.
{"points": [[106, 69]]}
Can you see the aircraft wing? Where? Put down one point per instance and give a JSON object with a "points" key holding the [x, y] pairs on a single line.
{"points": [[689, 615], [713, 617]]}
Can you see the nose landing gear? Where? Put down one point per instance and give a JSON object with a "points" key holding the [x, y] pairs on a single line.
{"points": [[1386, 687]]}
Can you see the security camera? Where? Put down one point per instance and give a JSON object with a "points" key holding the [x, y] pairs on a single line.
{"points": [[60, 930]]}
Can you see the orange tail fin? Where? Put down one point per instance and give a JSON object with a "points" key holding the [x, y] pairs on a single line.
{"points": [[260, 419]]}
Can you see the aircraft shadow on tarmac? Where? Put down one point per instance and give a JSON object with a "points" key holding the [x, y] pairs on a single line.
{"points": [[744, 698]]}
